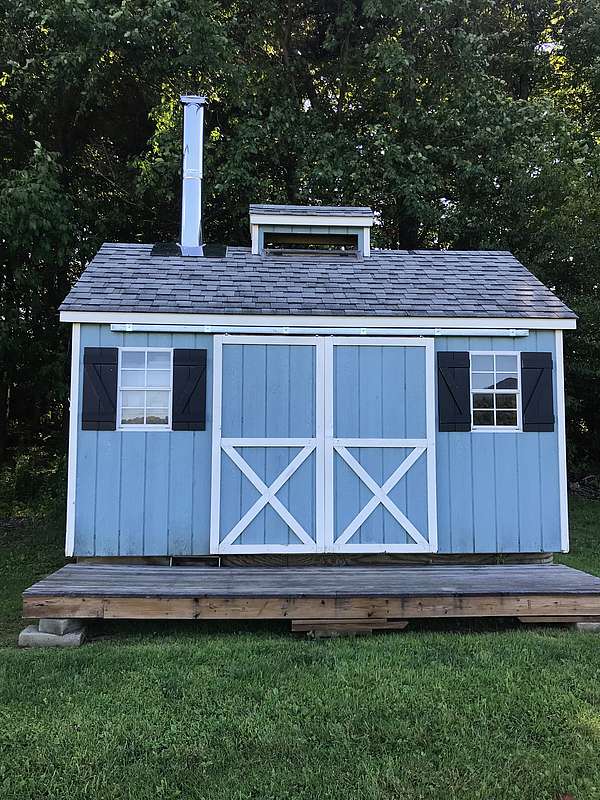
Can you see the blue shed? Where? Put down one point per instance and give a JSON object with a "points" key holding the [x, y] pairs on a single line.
{"points": [[311, 394]]}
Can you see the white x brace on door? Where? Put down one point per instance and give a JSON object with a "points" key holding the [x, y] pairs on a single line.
{"points": [[323, 444]]}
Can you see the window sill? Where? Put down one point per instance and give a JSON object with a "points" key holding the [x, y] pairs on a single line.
{"points": [[493, 429], [144, 428]]}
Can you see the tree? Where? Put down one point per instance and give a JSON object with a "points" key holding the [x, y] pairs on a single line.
{"points": [[464, 123]]}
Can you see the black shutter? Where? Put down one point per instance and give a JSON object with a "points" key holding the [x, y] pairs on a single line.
{"points": [[536, 392], [99, 411], [189, 390], [454, 391]]}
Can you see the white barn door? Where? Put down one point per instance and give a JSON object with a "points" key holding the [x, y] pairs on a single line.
{"points": [[267, 468], [380, 445], [323, 444]]}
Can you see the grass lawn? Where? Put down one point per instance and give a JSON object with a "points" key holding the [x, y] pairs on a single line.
{"points": [[184, 711]]}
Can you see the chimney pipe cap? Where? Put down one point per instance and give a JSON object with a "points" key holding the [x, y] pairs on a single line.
{"points": [[189, 99]]}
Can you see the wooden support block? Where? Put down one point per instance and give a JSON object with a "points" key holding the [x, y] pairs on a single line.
{"points": [[346, 627]]}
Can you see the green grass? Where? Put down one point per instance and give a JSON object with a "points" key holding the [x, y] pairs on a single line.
{"points": [[490, 712]]}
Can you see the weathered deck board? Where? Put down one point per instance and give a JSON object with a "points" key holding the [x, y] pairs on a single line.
{"points": [[77, 580]]}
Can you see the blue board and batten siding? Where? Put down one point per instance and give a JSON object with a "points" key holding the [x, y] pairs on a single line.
{"points": [[142, 492], [149, 492], [499, 492]]}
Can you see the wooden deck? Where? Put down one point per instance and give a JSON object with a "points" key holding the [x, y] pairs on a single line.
{"points": [[379, 596]]}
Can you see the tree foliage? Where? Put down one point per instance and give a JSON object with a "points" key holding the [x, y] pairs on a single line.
{"points": [[464, 123]]}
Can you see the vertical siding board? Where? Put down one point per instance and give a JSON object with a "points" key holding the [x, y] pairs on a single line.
{"points": [[132, 479], [394, 425], [416, 417], [460, 470], [371, 426], [507, 499], [302, 423], [87, 453], [506, 465], [108, 492], [109, 475], [550, 462], [133, 484], [483, 478], [278, 379], [181, 476], [202, 455], [231, 426], [530, 477], [346, 425], [442, 451], [254, 404], [157, 493]]}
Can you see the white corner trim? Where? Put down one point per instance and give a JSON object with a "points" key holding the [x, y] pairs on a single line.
{"points": [[562, 443], [217, 428], [255, 239], [313, 321], [367, 242], [73, 430]]}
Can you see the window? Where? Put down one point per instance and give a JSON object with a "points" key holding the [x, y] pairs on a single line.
{"points": [[495, 390], [145, 380], [314, 243]]}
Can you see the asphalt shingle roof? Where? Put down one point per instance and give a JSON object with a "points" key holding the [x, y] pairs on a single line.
{"points": [[407, 283]]}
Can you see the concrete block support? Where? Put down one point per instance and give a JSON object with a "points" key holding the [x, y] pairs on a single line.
{"points": [[588, 627], [59, 626], [32, 636]]}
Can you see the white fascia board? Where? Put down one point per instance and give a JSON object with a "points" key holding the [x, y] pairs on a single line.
{"points": [[295, 321], [312, 219]]}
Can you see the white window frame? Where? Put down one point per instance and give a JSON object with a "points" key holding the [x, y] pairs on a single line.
{"points": [[145, 426], [496, 428]]}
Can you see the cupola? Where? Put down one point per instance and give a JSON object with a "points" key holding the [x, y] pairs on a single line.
{"points": [[318, 230]]}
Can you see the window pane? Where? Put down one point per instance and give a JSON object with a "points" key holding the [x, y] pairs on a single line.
{"points": [[506, 418], [506, 401], [506, 363], [133, 359], [482, 363], [483, 401], [132, 416], [132, 399], [132, 377], [159, 377], [482, 380], [157, 417], [483, 417], [506, 381], [155, 399], [161, 359]]}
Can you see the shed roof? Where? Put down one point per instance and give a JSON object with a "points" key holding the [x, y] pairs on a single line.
{"points": [[407, 283], [311, 211]]}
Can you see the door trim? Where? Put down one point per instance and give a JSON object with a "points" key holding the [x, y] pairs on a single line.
{"points": [[267, 494], [420, 448]]}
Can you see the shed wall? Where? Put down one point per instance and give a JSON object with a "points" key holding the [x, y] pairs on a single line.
{"points": [[499, 492], [148, 492], [143, 492]]}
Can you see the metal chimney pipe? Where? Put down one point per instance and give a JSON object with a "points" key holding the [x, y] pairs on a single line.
{"points": [[191, 200]]}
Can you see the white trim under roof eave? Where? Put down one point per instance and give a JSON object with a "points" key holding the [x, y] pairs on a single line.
{"points": [[295, 321], [322, 220]]}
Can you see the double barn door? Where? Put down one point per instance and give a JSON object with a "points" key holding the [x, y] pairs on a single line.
{"points": [[323, 444]]}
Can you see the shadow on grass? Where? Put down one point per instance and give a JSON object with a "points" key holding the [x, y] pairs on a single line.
{"points": [[126, 631]]}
